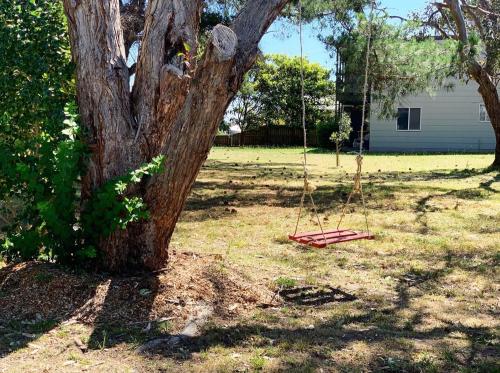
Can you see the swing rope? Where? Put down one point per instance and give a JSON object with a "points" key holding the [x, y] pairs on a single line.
{"points": [[308, 187], [358, 185]]}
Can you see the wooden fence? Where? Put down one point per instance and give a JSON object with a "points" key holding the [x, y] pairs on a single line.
{"points": [[269, 136]]}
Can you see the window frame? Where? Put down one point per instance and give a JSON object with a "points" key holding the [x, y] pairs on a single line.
{"points": [[486, 112], [409, 119]]}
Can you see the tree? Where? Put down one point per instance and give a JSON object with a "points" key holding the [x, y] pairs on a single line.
{"points": [[277, 81], [181, 91], [35, 75], [403, 61], [245, 107], [271, 93], [341, 134], [407, 60], [475, 24]]}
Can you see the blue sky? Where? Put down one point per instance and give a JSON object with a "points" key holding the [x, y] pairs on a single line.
{"points": [[284, 38]]}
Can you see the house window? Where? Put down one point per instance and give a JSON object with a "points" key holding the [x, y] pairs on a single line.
{"points": [[483, 114], [409, 119]]}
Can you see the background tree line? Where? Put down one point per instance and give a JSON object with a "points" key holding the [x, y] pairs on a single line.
{"points": [[271, 94]]}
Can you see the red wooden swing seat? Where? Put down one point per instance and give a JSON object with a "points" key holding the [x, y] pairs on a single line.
{"points": [[316, 239]]}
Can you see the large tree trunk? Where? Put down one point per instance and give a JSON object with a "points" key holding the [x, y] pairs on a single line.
{"points": [[489, 93], [174, 110], [496, 162]]}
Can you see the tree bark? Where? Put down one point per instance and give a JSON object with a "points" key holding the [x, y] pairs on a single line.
{"points": [[174, 110], [337, 152], [489, 93], [480, 73], [102, 88], [496, 162]]}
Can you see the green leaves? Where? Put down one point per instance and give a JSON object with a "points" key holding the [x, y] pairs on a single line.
{"points": [[271, 94], [114, 206], [71, 129], [47, 183], [40, 158], [402, 62], [343, 129]]}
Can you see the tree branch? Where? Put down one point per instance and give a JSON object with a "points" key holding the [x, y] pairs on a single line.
{"points": [[478, 9], [162, 80], [430, 22], [475, 68], [458, 17], [98, 50], [441, 9], [251, 24], [476, 20]]}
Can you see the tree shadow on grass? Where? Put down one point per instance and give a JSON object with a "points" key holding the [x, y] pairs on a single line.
{"points": [[314, 296], [28, 307], [231, 196], [124, 304], [124, 313], [391, 330], [381, 328], [487, 185], [246, 187], [254, 170], [38, 297]]}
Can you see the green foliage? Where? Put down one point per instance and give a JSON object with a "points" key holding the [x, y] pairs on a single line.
{"points": [[257, 362], [57, 229], [36, 156], [324, 131], [245, 108], [402, 62], [343, 129], [112, 208], [483, 27], [45, 228], [285, 282], [271, 94], [278, 85], [35, 72], [337, 16], [42, 157], [333, 129]]}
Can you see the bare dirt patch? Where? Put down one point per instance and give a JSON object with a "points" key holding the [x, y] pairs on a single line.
{"points": [[40, 291]]}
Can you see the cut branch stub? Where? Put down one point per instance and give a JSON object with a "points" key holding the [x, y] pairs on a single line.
{"points": [[225, 42]]}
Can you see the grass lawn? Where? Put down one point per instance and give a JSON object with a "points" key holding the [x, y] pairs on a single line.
{"points": [[423, 297]]}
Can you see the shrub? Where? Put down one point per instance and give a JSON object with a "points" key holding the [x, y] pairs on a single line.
{"points": [[333, 129], [324, 130]]}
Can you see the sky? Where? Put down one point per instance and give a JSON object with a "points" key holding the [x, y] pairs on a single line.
{"points": [[284, 39]]}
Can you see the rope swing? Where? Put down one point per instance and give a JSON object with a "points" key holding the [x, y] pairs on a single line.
{"points": [[324, 238]]}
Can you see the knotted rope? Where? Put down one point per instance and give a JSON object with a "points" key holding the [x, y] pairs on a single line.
{"points": [[358, 185], [308, 187]]}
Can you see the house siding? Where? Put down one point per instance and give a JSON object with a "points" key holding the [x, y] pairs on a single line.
{"points": [[449, 122]]}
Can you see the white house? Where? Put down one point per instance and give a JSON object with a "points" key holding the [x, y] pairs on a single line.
{"points": [[445, 121]]}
